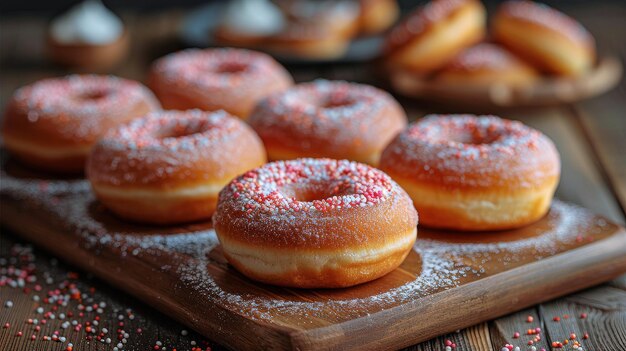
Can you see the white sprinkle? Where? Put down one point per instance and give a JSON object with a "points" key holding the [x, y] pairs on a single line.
{"points": [[193, 343], [158, 343], [184, 332], [40, 310], [8, 304]]}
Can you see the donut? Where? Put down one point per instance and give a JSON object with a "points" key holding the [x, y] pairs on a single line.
{"points": [[168, 167], [471, 173], [53, 123], [334, 119], [377, 15], [486, 64], [316, 31], [315, 223], [433, 34], [233, 80], [549, 39]]}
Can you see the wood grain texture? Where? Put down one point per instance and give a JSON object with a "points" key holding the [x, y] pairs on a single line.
{"points": [[489, 273]]}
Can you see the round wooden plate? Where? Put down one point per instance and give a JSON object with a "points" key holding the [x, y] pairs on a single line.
{"points": [[198, 27], [548, 91]]}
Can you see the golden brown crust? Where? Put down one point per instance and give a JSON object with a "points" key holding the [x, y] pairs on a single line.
{"points": [[233, 80], [52, 124], [547, 38], [433, 34], [153, 168], [474, 173], [315, 223], [377, 15]]}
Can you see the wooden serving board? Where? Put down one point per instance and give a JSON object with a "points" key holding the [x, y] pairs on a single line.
{"points": [[545, 92], [449, 281]]}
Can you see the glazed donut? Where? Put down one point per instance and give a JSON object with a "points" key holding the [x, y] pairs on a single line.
{"points": [[315, 223], [169, 166], [52, 124], [486, 64], [377, 15], [333, 119], [551, 40], [468, 172], [433, 34], [233, 80]]}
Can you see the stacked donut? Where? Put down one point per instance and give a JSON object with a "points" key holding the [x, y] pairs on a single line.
{"points": [[446, 41], [304, 28], [321, 215]]}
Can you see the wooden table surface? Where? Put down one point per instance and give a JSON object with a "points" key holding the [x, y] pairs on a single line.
{"points": [[591, 137]]}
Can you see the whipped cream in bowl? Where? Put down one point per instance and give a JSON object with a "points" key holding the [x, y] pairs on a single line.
{"points": [[253, 17], [88, 22]]}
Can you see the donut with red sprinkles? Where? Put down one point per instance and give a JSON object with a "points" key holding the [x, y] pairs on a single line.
{"points": [[169, 166], [53, 123], [471, 172], [233, 80], [334, 119], [315, 223]]}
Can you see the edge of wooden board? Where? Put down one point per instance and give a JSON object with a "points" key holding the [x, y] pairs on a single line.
{"points": [[598, 261]]}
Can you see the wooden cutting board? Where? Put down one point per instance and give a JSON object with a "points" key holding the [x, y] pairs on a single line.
{"points": [[449, 281]]}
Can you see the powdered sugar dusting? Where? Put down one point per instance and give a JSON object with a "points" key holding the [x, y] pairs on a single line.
{"points": [[77, 105], [442, 263], [332, 117], [467, 150], [167, 145]]}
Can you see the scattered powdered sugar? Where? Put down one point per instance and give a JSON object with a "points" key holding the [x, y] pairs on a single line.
{"points": [[442, 264]]}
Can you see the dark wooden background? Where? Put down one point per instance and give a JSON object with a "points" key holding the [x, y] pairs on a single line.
{"points": [[591, 137]]}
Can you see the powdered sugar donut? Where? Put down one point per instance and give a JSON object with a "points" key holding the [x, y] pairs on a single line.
{"points": [[315, 223], [333, 119], [233, 80], [168, 167], [53, 123], [474, 172]]}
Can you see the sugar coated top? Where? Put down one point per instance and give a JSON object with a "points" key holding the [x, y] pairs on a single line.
{"points": [[474, 151], [337, 112], [80, 96], [309, 185], [172, 131], [546, 16], [484, 56], [217, 68]]}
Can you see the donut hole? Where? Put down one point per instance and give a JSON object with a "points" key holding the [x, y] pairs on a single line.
{"points": [[472, 134], [341, 102], [181, 131], [231, 68], [308, 192], [94, 95]]}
